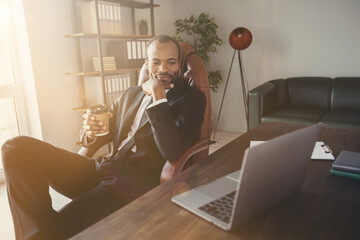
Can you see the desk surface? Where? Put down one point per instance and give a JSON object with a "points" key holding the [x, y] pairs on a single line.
{"points": [[327, 207]]}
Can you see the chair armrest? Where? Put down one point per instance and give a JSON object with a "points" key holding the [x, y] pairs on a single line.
{"points": [[172, 168], [99, 142], [262, 99]]}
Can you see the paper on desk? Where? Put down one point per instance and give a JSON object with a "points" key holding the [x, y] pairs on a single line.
{"points": [[254, 143], [318, 152]]}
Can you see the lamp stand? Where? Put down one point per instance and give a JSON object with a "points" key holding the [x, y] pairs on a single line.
{"points": [[244, 91]]}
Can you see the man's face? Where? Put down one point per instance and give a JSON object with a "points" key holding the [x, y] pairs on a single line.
{"points": [[162, 61]]}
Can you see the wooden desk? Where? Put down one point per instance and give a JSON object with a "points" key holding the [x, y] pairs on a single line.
{"points": [[327, 207]]}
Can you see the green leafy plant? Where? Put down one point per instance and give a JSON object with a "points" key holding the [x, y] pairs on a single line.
{"points": [[143, 28], [142, 23], [201, 34]]}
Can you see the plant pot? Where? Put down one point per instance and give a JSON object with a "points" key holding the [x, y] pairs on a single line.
{"points": [[143, 30]]}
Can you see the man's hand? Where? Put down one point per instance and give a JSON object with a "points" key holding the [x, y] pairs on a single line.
{"points": [[92, 126], [156, 89]]}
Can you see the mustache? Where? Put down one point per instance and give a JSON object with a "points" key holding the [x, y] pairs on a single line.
{"points": [[164, 75]]}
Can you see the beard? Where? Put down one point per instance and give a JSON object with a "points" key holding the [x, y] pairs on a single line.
{"points": [[166, 78]]}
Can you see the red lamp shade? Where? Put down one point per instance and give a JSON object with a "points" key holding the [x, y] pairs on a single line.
{"points": [[240, 38]]}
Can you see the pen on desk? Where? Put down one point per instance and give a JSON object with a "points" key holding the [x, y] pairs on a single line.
{"points": [[327, 149]]}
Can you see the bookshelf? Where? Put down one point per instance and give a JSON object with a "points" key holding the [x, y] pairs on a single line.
{"points": [[108, 35], [107, 28], [106, 73], [134, 4]]}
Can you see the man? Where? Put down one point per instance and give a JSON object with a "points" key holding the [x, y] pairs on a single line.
{"points": [[99, 187]]}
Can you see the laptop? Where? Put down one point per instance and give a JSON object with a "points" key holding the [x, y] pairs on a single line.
{"points": [[271, 173]]}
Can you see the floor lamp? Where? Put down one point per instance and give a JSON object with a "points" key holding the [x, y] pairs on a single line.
{"points": [[240, 38]]}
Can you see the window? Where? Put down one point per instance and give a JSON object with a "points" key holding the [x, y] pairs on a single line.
{"points": [[12, 111]]}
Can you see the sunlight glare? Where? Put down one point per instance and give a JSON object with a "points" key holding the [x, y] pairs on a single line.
{"points": [[4, 13]]}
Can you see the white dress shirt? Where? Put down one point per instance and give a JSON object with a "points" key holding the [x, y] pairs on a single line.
{"points": [[134, 127]]}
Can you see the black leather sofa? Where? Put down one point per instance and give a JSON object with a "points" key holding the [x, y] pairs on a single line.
{"points": [[307, 100]]}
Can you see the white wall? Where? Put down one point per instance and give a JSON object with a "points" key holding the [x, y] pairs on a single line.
{"points": [[290, 38], [164, 17], [52, 56]]}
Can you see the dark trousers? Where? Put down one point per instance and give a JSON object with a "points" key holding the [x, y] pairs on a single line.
{"points": [[31, 166]]}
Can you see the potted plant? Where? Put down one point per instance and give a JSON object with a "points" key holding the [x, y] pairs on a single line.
{"points": [[143, 28], [201, 34]]}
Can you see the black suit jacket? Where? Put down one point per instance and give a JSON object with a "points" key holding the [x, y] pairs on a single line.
{"points": [[169, 131]]}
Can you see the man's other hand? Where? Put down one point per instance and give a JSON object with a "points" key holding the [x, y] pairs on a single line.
{"points": [[156, 88], [92, 126]]}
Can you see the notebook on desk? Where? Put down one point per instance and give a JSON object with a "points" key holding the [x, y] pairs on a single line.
{"points": [[271, 173]]}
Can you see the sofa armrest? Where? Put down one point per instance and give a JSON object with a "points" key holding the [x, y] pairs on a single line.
{"points": [[172, 168], [262, 100]]}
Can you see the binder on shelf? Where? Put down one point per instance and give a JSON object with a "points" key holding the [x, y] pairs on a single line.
{"points": [[121, 86], [118, 27], [109, 17], [128, 84], [115, 18], [128, 50], [115, 86], [128, 53], [143, 48], [137, 48], [133, 49], [88, 17], [103, 19]]}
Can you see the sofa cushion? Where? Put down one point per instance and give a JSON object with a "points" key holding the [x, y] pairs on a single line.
{"points": [[281, 92], [346, 94], [309, 92], [342, 117], [287, 114]]}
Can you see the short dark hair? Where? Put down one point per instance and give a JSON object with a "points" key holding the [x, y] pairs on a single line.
{"points": [[163, 39]]}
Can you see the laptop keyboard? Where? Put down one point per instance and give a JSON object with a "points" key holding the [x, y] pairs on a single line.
{"points": [[220, 208]]}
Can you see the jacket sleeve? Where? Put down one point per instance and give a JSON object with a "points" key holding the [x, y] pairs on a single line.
{"points": [[175, 129]]}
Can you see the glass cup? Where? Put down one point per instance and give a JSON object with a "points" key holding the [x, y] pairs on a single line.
{"points": [[101, 113]]}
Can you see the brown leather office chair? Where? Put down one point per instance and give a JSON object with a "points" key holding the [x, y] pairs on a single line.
{"points": [[194, 72]]}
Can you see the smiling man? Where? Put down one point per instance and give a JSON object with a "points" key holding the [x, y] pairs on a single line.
{"points": [[163, 68], [149, 124]]}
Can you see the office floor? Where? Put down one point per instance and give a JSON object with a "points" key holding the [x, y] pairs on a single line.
{"points": [[6, 226]]}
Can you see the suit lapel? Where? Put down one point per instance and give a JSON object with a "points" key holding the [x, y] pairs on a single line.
{"points": [[144, 120], [172, 96], [127, 120], [174, 93], [130, 114]]}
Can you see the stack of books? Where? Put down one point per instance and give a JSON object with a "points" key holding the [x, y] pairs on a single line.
{"points": [[108, 63], [347, 165]]}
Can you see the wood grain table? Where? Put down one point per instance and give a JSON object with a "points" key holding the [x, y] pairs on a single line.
{"points": [[327, 207]]}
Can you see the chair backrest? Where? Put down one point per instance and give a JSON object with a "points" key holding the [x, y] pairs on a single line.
{"points": [[194, 73]]}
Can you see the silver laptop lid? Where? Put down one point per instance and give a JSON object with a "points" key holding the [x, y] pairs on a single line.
{"points": [[271, 173]]}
